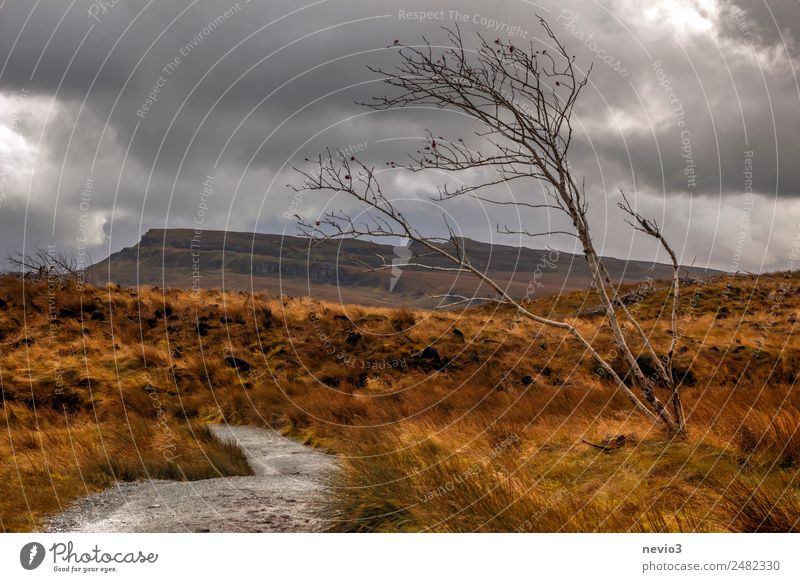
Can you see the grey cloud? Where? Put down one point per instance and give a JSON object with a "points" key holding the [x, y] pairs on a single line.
{"points": [[207, 107]]}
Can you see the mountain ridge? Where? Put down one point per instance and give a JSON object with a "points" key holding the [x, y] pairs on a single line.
{"points": [[350, 270]]}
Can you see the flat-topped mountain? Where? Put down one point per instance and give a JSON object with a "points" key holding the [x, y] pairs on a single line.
{"points": [[343, 270]]}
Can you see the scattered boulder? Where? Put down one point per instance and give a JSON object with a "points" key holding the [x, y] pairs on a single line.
{"points": [[684, 376], [202, 328], [238, 363], [430, 353], [332, 381], [458, 333], [527, 380], [353, 338], [98, 315]]}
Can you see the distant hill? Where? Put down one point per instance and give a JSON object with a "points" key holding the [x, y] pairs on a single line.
{"points": [[340, 270]]}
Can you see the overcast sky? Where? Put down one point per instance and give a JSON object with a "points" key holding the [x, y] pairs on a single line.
{"points": [[90, 151]]}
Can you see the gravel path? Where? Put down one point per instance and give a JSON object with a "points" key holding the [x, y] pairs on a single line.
{"points": [[281, 496]]}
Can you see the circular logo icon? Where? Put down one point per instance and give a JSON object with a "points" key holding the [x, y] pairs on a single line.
{"points": [[31, 555]]}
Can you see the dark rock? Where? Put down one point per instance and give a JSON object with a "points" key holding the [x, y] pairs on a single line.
{"points": [[66, 313], [458, 333], [331, 381], [202, 328], [527, 380], [238, 363], [225, 319], [428, 360], [98, 315], [648, 366], [432, 354], [67, 400], [474, 357], [353, 338], [684, 376]]}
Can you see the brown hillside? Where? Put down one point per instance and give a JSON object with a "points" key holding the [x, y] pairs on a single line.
{"points": [[448, 421]]}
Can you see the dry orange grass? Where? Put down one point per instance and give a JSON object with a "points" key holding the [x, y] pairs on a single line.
{"points": [[446, 421]]}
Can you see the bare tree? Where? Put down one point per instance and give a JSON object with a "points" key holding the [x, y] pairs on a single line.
{"points": [[523, 99], [47, 264]]}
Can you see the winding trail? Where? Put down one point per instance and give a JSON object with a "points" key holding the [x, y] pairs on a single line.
{"points": [[281, 496]]}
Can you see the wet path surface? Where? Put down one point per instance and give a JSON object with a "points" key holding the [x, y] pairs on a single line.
{"points": [[282, 495]]}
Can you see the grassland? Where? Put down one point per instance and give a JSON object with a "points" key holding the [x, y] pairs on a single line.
{"points": [[444, 421]]}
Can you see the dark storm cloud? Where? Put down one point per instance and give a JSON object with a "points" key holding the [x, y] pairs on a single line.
{"points": [[130, 108], [765, 23]]}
